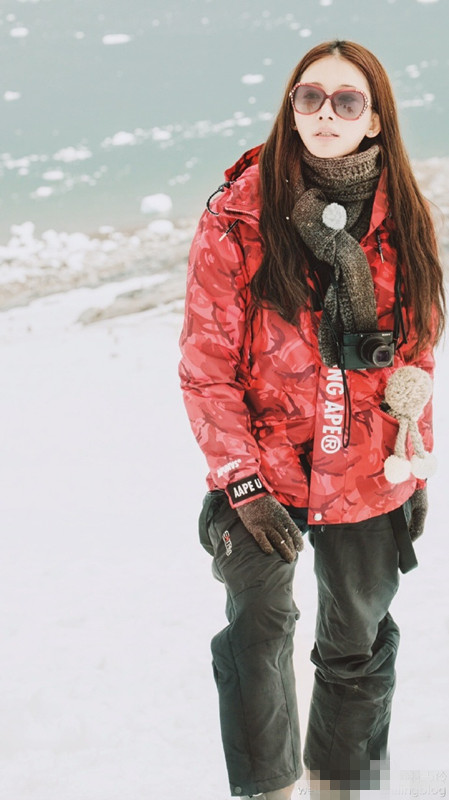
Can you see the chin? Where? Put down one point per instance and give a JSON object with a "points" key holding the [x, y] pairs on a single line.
{"points": [[330, 150]]}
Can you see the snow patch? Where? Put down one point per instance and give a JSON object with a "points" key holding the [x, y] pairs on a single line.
{"points": [[160, 135], [116, 38], [19, 33], [412, 71], [179, 179], [54, 175], [69, 154], [251, 80], [42, 192], [417, 102], [244, 121], [16, 163], [120, 139], [162, 227], [156, 204], [9, 96]]}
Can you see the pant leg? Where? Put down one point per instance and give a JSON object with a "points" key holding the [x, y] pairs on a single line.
{"points": [[355, 649], [252, 660]]}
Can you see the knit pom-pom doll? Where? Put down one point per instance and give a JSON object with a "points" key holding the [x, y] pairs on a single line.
{"points": [[407, 391]]}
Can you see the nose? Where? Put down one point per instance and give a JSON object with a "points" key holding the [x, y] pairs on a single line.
{"points": [[326, 108]]}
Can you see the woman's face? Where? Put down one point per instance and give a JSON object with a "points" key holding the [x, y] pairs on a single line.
{"points": [[325, 134]]}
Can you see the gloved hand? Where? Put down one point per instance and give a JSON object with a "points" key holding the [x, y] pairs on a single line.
{"points": [[272, 527], [419, 505]]}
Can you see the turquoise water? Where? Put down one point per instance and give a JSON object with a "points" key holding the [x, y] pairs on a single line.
{"points": [[172, 87]]}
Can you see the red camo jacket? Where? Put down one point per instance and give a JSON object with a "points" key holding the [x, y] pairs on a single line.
{"points": [[256, 391]]}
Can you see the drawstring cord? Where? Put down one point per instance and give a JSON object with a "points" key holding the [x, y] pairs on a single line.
{"points": [[221, 188], [228, 230], [379, 247]]}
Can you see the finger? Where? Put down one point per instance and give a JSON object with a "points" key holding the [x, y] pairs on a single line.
{"points": [[298, 541], [289, 557], [295, 533], [287, 554], [262, 541], [283, 543]]}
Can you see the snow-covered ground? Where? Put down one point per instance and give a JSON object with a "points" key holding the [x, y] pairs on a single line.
{"points": [[107, 599]]}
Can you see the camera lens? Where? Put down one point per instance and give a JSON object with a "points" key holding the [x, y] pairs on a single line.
{"points": [[382, 356], [376, 353]]}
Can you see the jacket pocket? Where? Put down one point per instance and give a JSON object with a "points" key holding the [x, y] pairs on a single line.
{"points": [[211, 503]]}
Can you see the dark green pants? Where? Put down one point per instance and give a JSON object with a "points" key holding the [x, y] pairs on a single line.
{"points": [[355, 650], [356, 642]]}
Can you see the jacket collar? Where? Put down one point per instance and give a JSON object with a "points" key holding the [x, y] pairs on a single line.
{"points": [[241, 196], [380, 204]]}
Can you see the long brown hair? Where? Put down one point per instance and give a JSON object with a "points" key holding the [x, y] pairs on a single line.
{"points": [[281, 278]]}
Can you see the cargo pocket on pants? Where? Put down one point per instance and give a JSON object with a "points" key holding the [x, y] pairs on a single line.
{"points": [[211, 504]]}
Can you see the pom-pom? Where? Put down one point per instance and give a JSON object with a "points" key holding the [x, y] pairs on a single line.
{"points": [[423, 467], [408, 390], [334, 216], [396, 469]]}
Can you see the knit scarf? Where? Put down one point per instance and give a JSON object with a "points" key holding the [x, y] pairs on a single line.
{"points": [[332, 212]]}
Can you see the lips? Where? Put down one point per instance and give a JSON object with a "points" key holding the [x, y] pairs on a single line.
{"points": [[327, 134]]}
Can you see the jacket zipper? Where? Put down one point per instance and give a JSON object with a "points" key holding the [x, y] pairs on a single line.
{"points": [[379, 247]]}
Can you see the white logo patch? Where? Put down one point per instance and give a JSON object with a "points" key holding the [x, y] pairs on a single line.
{"points": [[333, 413], [227, 543]]}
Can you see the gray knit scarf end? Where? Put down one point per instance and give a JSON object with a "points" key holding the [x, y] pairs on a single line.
{"points": [[332, 213]]}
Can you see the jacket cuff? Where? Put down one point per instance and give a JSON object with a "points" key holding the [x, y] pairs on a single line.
{"points": [[244, 490]]}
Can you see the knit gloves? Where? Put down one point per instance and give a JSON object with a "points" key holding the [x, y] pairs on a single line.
{"points": [[272, 527], [418, 505]]}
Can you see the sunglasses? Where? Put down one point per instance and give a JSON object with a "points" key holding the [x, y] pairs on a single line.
{"points": [[346, 103]]}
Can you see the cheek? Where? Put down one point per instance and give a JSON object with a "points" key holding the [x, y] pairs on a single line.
{"points": [[354, 131], [302, 123]]}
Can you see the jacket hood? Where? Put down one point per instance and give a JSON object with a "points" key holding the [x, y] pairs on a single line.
{"points": [[248, 158], [240, 191]]}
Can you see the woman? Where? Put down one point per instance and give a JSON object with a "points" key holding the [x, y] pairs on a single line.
{"points": [[313, 280]]}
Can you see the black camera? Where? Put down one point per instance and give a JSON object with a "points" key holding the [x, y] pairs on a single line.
{"points": [[368, 350]]}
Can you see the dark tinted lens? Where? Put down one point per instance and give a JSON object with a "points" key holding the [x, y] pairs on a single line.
{"points": [[348, 105], [307, 99]]}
